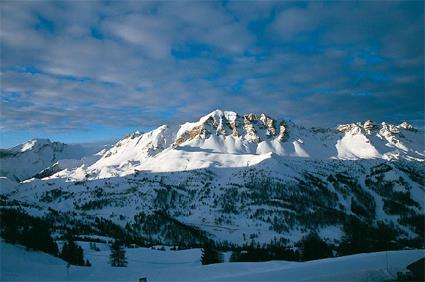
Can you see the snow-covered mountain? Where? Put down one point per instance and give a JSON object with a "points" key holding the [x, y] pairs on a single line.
{"points": [[227, 139], [240, 178], [42, 155]]}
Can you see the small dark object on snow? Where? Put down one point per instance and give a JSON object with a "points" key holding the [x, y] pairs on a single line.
{"points": [[418, 268]]}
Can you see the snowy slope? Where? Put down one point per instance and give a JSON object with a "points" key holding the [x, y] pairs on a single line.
{"points": [[134, 149], [17, 264], [26, 160], [239, 178], [263, 201], [227, 139], [7, 185]]}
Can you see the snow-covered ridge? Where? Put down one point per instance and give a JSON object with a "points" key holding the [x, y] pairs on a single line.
{"points": [[228, 139], [39, 155], [250, 127], [368, 140], [221, 139]]}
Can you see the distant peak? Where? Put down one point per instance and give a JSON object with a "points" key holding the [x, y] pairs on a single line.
{"points": [[406, 125], [31, 144], [251, 127]]}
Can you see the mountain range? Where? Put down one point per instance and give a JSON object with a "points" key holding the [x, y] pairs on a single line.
{"points": [[228, 177]]}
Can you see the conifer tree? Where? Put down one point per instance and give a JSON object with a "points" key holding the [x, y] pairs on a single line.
{"points": [[313, 247], [210, 254], [72, 253], [117, 257]]}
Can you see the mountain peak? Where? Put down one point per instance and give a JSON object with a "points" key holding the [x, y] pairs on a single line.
{"points": [[406, 125], [250, 127], [227, 138], [32, 144]]}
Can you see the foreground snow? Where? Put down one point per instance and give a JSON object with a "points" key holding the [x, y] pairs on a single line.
{"points": [[19, 264]]}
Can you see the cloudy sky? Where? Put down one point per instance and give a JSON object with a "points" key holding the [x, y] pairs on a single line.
{"points": [[88, 70]]}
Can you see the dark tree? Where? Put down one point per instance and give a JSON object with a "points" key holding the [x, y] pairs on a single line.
{"points": [[72, 253], [360, 237], [210, 254], [32, 232], [313, 247], [117, 257], [10, 233], [38, 237], [357, 237]]}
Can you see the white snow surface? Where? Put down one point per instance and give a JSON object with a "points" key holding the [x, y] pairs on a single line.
{"points": [[18, 264], [221, 139], [26, 160]]}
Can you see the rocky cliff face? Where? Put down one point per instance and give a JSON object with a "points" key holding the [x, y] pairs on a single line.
{"points": [[250, 127], [369, 127]]}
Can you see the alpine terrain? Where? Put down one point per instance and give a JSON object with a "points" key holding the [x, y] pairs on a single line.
{"points": [[239, 182]]}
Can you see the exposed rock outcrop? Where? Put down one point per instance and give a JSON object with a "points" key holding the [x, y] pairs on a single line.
{"points": [[250, 127], [406, 125]]}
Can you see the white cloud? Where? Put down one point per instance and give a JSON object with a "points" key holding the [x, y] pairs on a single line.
{"points": [[129, 75]]}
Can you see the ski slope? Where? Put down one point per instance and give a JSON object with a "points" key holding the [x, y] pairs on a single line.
{"points": [[18, 264]]}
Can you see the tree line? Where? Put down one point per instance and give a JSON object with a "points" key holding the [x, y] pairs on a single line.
{"points": [[18, 227], [35, 233], [358, 237]]}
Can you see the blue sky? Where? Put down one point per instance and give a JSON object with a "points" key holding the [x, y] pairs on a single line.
{"points": [[78, 71]]}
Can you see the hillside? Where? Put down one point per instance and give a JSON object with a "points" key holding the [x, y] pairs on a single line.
{"points": [[239, 180], [39, 157]]}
